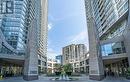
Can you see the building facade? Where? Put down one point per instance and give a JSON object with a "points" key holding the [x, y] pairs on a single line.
{"points": [[59, 58], [51, 65], [108, 24], [72, 54], [43, 31], [84, 63], [21, 37]]}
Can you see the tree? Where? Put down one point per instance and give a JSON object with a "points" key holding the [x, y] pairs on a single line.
{"points": [[68, 68], [128, 74], [58, 67]]}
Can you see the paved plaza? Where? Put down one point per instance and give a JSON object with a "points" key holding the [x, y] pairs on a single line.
{"points": [[83, 78]]}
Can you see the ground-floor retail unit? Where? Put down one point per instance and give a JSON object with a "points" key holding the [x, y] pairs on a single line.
{"points": [[14, 67], [116, 67], [10, 68]]}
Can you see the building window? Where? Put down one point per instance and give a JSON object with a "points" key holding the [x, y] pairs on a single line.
{"points": [[113, 48], [39, 62]]}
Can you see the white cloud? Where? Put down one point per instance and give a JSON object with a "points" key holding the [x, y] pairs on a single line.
{"points": [[65, 17], [50, 25], [51, 53], [79, 37], [82, 38]]}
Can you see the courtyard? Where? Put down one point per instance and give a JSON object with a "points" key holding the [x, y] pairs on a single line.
{"points": [[82, 78]]}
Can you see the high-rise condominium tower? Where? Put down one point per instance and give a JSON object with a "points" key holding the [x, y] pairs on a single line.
{"points": [[23, 37], [72, 53], [108, 28]]}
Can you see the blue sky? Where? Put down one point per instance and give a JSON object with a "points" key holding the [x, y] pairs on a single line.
{"points": [[66, 25]]}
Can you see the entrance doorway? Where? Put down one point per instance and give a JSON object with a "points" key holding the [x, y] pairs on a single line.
{"points": [[11, 68], [117, 69], [11, 71]]}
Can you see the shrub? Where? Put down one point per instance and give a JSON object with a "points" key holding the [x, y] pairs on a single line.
{"points": [[128, 72], [68, 69]]}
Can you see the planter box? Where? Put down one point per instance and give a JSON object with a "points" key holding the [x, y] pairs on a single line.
{"points": [[128, 77], [75, 74], [68, 73], [57, 73]]}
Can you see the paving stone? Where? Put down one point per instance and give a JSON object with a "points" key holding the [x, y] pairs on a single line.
{"points": [[83, 78]]}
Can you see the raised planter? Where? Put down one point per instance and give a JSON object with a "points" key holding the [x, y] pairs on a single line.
{"points": [[50, 74], [69, 73], [128, 77], [75, 74], [58, 73], [128, 74]]}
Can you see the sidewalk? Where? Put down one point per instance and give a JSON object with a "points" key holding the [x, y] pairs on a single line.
{"points": [[83, 78]]}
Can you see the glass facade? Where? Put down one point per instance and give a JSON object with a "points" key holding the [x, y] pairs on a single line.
{"points": [[116, 31], [110, 24], [118, 68], [109, 19], [14, 27], [113, 48], [5, 50], [106, 13], [59, 58]]}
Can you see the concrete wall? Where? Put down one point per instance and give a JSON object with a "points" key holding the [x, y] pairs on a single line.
{"points": [[96, 71], [127, 35]]}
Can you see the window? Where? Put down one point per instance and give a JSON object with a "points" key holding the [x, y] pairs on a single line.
{"points": [[113, 48]]}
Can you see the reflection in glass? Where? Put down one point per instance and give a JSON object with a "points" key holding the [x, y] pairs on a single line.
{"points": [[113, 48]]}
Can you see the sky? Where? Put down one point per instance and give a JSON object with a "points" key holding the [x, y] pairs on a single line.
{"points": [[66, 25]]}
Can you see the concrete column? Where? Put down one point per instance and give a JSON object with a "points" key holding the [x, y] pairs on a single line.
{"points": [[0, 44], [0, 39], [96, 70], [127, 35], [128, 49], [31, 58]]}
